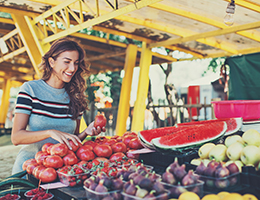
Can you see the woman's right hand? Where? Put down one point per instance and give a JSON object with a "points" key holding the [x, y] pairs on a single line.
{"points": [[63, 137]]}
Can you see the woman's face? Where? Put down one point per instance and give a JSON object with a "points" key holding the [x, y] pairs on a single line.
{"points": [[63, 68]]}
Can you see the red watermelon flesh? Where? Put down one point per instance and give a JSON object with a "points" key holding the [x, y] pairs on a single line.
{"points": [[233, 124], [194, 134]]}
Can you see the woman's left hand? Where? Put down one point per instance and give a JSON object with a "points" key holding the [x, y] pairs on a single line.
{"points": [[92, 131]]}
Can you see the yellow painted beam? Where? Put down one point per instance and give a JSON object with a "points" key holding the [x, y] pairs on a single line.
{"points": [[5, 100], [142, 91], [6, 20], [124, 102], [232, 29], [32, 49], [12, 54]]}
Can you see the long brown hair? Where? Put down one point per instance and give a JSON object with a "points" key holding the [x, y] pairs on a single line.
{"points": [[77, 86]]}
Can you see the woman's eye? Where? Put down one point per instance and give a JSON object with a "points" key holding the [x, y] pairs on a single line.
{"points": [[67, 62]]}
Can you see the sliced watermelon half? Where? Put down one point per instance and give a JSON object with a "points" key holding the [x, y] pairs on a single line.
{"points": [[233, 124], [146, 136], [191, 138]]}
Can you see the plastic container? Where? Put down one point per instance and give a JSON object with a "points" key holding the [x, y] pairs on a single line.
{"points": [[49, 198], [11, 197], [217, 184], [92, 195], [73, 180], [130, 197], [247, 109], [177, 190]]}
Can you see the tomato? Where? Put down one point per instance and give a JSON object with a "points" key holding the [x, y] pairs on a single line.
{"points": [[119, 147], [129, 133], [128, 138], [48, 175], [90, 142], [49, 149], [129, 154], [70, 159], [53, 161], [135, 144], [59, 149], [40, 156], [117, 156], [30, 167], [27, 162], [83, 149], [87, 155], [82, 164], [103, 150], [101, 159], [100, 120], [117, 137], [73, 146], [37, 170], [71, 152], [110, 142], [100, 139], [46, 145]]}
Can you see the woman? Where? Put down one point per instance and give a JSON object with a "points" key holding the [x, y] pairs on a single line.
{"points": [[50, 109]]}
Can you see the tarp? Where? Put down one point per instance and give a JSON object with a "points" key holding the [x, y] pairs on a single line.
{"points": [[244, 77]]}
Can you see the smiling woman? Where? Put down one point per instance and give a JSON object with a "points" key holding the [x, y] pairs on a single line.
{"points": [[52, 106]]}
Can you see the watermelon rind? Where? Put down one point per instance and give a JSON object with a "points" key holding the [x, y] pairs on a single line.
{"points": [[188, 146], [144, 142], [239, 122]]}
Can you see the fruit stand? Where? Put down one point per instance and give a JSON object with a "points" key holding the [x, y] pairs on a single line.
{"points": [[197, 159]]}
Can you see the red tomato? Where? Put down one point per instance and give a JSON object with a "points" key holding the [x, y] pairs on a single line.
{"points": [[119, 147], [117, 156], [37, 170], [87, 155], [103, 150], [59, 149], [84, 148], [129, 133], [71, 152], [70, 159], [82, 164], [90, 142], [49, 149], [135, 144], [100, 120], [27, 162], [100, 139], [73, 146], [45, 146], [128, 138], [101, 159], [40, 156], [117, 137], [132, 155], [48, 175], [53, 161], [30, 167], [110, 142]]}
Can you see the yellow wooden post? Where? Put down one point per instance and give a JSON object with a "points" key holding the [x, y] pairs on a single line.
{"points": [[124, 105], [5, 100], [142, 91]]}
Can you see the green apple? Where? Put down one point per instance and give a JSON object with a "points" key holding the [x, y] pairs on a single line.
{"points": [[218, 153], [204, 150], [250, 155], [251, 137], [232, 139], [234, 151]]}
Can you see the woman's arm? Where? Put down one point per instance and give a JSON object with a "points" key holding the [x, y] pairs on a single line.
{"points": [[21, 136]]}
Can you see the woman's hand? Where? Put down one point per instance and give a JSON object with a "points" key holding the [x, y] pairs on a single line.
{"points": [[92, 131], [63, 137]]}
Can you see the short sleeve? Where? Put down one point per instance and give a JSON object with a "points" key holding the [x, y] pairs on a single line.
{"points": [[24, 100]]}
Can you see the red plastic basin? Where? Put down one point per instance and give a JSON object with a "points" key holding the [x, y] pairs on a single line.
{"points": [[247, 109]]}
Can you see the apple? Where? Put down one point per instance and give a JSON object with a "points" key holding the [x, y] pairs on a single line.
{"points": [[205, 149], [232, 139], [196, 161], [206, 162], [218, 153], [251, 137], [250, 155], [234, 151]]}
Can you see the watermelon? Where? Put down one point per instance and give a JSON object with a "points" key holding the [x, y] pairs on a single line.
{"points": [[192, 137], [146, 136], [233, 124]]}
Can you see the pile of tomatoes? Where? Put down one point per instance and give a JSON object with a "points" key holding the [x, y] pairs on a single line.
{"points": [[53, 157]]}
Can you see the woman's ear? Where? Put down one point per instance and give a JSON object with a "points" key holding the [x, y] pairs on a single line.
{"points": [[51, 61]]}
